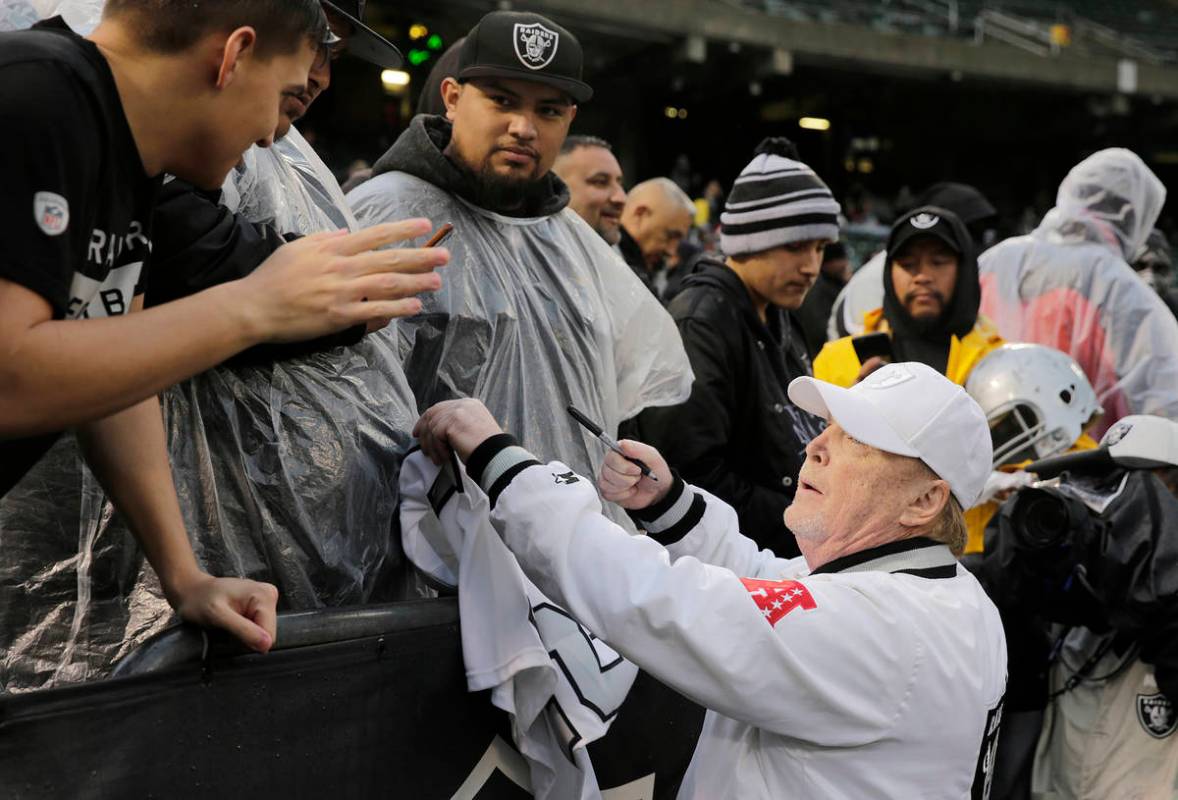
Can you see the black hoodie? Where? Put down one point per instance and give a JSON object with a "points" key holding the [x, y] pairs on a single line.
{"points": [[421, 152], [929, 341], [737, 436]]}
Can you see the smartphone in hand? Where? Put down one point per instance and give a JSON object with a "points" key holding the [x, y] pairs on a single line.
{"points": [[871, 345]]}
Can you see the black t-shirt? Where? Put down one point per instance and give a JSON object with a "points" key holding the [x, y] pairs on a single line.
{"points": [[76, 204]]}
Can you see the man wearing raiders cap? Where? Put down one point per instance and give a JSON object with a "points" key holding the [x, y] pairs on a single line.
{"points": [[536, 311], [872, 666], [931, 299]]}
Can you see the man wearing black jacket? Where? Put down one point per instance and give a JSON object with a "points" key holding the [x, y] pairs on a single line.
{"points": [[269, 455], [655, 222], [738, 435], [91, 125]]}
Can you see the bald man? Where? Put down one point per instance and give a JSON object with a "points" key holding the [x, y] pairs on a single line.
{"points": [[589, 168], [656, 219]]}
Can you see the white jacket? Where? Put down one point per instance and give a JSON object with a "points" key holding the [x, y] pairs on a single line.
{"points": [[878, 676], [561, 686]]}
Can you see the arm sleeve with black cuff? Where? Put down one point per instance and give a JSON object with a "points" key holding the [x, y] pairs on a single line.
{"points": [[692, 522], [696, 626], [687, 521]]}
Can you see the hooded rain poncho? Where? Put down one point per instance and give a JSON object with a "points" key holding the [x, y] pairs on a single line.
{"points": [[1069, 285]]}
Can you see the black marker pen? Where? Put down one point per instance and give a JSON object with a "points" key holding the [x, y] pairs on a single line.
{"points": [[596, 430]]}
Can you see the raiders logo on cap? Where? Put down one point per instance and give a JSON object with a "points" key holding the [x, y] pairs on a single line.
{"points": [[535, 45], [1156, 714], [887, 378], [520, 45], [924, 221]]}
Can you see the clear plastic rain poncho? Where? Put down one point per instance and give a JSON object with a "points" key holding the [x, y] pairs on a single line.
{"points": [[289, 187], [286, 472], [1069, 285], [81, 15], [864, 292], [533, 314]]}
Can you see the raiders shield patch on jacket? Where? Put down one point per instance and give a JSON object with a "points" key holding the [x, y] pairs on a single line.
{"points": [[1156, 714]]}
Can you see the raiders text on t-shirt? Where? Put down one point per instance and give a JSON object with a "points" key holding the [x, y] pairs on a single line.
{"points": [[77, 205]]}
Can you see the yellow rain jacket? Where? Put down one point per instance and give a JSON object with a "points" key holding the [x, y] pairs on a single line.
{"points": [[838, 364]]}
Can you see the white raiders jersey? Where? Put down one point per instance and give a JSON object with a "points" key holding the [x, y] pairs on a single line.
{"points": [[560, 683]]}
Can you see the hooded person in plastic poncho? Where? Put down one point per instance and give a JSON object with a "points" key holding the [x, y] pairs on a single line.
{"points": [[1069, 285], [536, 312], [286, 464]]}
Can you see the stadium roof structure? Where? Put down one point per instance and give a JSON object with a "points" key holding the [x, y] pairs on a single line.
{"points": [[1085, 46]]}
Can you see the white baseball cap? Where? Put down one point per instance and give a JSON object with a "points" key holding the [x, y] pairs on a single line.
{"points": [[911, 410]]}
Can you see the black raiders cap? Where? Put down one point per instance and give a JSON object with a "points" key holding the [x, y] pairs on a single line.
{"points": [[365, 43], [526, 47], [927, 221]]}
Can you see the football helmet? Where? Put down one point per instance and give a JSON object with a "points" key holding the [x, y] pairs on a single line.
{"points": [[1037, 400]]}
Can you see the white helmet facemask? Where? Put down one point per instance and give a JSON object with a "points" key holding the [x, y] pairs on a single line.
{"points": [[1037, 400]]}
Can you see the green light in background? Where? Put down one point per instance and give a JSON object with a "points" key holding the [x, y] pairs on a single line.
{"points": [[418, 57], [434, 42]]}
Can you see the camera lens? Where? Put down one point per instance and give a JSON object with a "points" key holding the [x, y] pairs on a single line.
{"points": [[1041, 520]]}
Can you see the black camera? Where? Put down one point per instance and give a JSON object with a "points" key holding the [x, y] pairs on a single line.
{"points": [[1047, 555], [1108, 561]]}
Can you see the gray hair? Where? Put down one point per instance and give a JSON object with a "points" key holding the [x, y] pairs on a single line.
{"points": [[949, 527], [571, 143], [669, 190]]}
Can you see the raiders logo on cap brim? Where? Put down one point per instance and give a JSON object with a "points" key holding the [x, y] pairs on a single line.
{"points": [[1156, 714], [892, 375], [924, 221], [535, 45]]}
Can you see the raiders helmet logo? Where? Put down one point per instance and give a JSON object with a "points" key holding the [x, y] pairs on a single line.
{"points": [[924, 221], [1116, 433], [1156, 714], [535, 45]]}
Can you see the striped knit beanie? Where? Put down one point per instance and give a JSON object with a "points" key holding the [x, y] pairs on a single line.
{"points": [[777, 200]]}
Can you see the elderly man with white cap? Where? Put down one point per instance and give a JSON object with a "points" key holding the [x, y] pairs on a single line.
{"points": [[872, 666]]}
